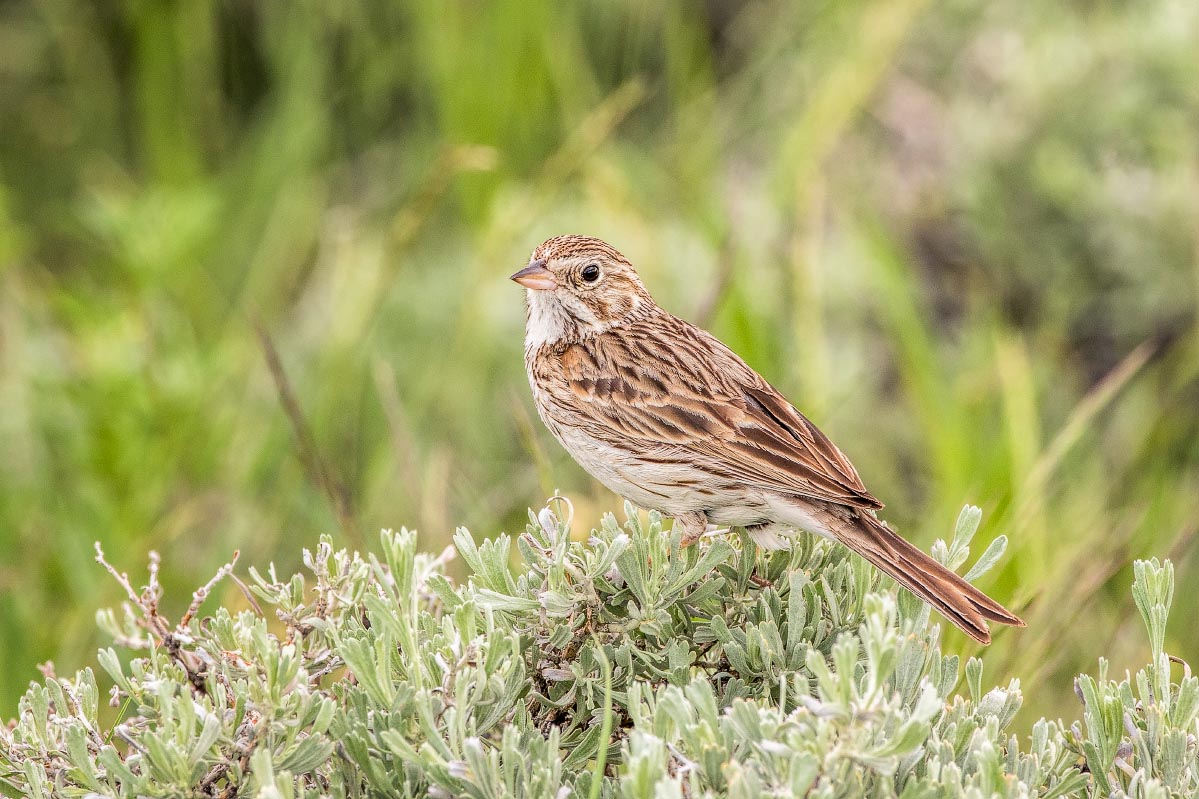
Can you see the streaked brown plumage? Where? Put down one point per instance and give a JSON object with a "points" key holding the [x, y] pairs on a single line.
{"points": [[669, 418]]}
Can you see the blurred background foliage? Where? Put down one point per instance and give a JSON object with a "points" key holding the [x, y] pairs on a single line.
{"points": [[962, 236]]}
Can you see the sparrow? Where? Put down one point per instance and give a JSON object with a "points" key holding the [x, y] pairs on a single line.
{"points": [[669, 418]]}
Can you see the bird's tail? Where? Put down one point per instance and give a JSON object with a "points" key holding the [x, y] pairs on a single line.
{"points": [[956, 599]]}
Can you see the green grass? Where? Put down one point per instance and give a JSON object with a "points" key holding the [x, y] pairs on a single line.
{"points": [[961, 237]]}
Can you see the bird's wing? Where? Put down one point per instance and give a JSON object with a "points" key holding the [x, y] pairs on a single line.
{"points": [[666, 389]]}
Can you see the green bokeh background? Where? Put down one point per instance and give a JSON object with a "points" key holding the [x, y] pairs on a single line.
{"points": [[962, 236]]}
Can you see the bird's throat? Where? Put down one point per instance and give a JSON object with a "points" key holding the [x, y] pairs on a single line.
{"points": [[547, 321]]}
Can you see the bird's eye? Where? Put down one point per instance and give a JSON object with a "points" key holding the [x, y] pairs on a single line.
{"points": [[591, 273]]}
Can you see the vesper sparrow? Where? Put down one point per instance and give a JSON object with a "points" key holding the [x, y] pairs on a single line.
{"points": [[672, 420]]}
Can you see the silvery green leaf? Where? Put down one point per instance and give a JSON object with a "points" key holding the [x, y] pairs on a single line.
{"points": [[989, 558], [310, 752], [966, 526]]}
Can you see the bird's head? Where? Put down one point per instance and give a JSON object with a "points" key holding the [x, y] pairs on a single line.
{"points": [[578, 286]]}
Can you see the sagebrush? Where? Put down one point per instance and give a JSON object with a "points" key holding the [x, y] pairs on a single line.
{"points": [[619, 666]]}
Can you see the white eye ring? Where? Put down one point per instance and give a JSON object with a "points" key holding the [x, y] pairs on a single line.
{"points": [[591, 273]]}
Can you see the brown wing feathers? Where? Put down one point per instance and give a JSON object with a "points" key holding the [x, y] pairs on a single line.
{"points": [[712, 404], [807, 444]]}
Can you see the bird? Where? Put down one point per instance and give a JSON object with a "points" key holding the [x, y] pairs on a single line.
{"points": [[669, 418]]}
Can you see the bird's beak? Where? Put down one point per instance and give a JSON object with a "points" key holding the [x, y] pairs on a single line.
{"points": [[536, 276]]}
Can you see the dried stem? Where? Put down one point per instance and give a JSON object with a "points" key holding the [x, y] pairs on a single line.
{"points": [[172, 638], [200, 594], [120, 577]]}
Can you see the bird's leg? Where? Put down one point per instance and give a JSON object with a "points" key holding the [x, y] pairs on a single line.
{"points": [[693, 526]]}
